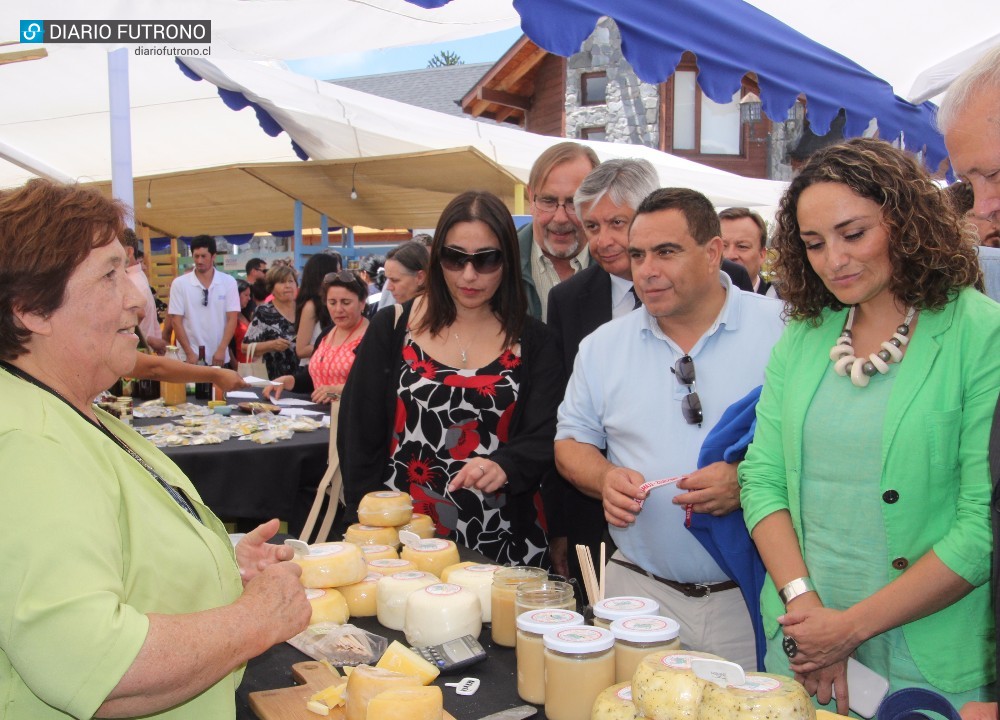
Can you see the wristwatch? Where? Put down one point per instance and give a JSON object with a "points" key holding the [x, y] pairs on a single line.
{"points": [[794, 588]]}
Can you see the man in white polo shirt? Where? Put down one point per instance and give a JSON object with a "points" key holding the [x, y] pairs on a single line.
{"points": [[204, 304]]}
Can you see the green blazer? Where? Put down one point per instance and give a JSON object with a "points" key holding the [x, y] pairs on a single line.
{"points": [[934, 456]]}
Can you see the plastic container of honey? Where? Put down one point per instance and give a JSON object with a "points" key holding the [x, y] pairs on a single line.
{"points": [[638, 636], [503, 593], [579, 664], [530, 651]]}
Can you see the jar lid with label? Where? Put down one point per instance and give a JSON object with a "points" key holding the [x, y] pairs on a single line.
{"points": [[579, 640], [545, 620], [646, 629], [612, 609]]}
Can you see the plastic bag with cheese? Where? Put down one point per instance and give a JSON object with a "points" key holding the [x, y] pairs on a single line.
{"points": [[339, 644]]}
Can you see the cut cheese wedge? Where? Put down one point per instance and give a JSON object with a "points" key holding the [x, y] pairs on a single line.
{"points": [[366, 682], [422, 703], [399, 658]]}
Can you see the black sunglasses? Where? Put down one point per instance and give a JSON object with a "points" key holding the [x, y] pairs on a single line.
{"points": [[683, 370], [204, 298], [484, 261]]}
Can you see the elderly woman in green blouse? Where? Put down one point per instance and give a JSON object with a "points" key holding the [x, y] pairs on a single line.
{"points": [[121, 593]]}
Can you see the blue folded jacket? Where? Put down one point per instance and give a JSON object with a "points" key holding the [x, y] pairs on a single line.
{"points": [[726, 538]]}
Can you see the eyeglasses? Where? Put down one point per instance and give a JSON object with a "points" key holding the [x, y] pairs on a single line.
{"points": [[683, 370], [550, 204], [204, 297], [344, 276], [484, 261]]}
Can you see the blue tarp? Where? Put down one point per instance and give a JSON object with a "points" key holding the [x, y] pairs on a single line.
{"points": [[731, 38]]}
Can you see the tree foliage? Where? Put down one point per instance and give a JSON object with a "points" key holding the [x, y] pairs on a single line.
{"points": [[445, 58]]}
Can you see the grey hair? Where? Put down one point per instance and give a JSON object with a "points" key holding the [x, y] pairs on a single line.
{"points": [[625, 180], [984, 75]]}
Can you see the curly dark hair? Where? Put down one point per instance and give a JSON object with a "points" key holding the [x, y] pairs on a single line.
{"points": [[932, 256]]}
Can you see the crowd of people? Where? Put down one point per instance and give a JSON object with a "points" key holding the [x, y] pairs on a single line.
{"points": [[785, 436]]}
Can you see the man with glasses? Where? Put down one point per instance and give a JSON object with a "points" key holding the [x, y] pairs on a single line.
{"points": [[553, 246], [647, 388], [204, 305]]}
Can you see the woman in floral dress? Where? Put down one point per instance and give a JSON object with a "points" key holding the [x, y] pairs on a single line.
{"points": [[453, 397]]}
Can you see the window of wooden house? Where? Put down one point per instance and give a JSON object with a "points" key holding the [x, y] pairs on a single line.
{"points": [[593, 133], [593, 88], [700, 125]]}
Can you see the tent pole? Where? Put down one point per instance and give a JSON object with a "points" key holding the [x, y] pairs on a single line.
{"points": [[324, 232], [121, 130], [298, 235]]}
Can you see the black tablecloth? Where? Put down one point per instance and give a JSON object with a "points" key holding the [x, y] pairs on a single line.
{"points": [[498, 673], [240, 479]]}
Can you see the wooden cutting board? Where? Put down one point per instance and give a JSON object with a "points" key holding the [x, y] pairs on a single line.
{"points": [[290, 703]]}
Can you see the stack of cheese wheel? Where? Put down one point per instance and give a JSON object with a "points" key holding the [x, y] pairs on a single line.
{"points": [[441, 612], [328, 605], [420, 525], [379, 552], [361, 534], [665, 687], [391, 566], [360, 596], [391, 594], [476, 577], [333, 564], [386, 508], [432, 555], [615, 703], [761, 697]]}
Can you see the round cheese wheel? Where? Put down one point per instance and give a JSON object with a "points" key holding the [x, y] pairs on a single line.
{"points": [[432, 555], [391, 566], [379, 552], [423, 703], [328, 606], [332, 565], [365, 682], [479, 579], [360, 597], [761, 697], [361, 534], [614, 703], [420, 524], [665, 688], [391, 596], [441, 612], [386, 508]]}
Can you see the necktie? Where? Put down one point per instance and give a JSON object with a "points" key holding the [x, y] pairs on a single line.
{"points": [[638, 302]]}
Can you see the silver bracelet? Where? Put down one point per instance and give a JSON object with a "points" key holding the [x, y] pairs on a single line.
{"points": [[794, 588]]}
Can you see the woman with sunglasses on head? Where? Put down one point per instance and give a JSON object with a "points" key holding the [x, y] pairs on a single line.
{"points": [[454, 395], [272, 330], [867, 488]]}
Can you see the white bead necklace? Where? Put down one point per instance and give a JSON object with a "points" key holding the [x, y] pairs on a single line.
{"points": [[862, 371]]}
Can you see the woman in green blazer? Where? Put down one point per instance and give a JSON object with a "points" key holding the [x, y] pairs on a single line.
{"points": [[866, 488]]}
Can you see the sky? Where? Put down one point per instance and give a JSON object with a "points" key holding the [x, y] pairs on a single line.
{"points": [[485, 48]]}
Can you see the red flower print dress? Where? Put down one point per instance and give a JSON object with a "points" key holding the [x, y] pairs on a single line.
{"points": [[444, 416]]}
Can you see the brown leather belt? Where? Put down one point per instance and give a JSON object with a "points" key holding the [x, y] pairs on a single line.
{"points": [[693, 590]]}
